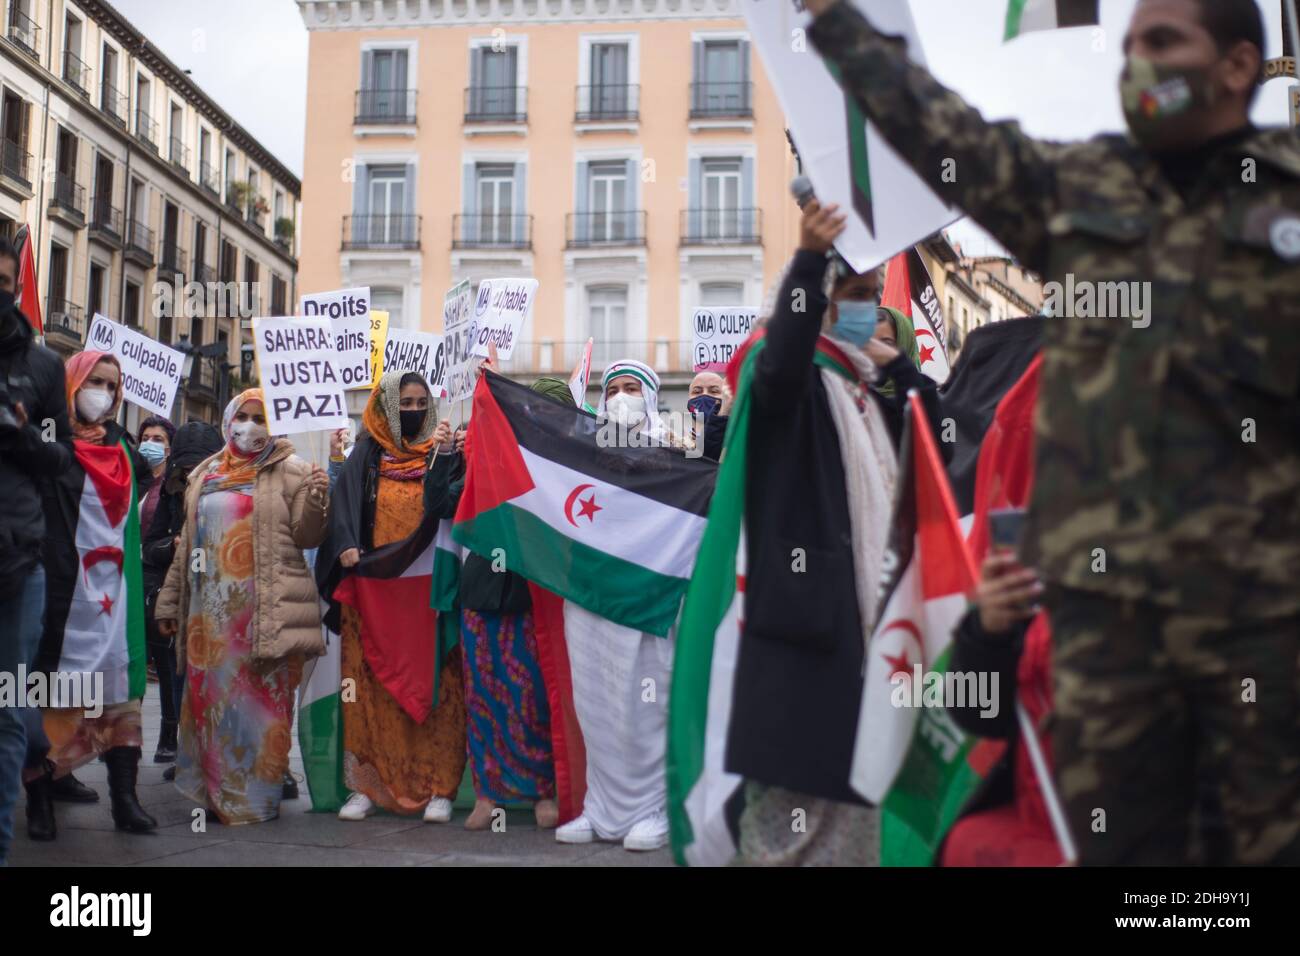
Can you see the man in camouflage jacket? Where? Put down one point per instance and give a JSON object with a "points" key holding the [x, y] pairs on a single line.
{"points": [[1166, 513]]}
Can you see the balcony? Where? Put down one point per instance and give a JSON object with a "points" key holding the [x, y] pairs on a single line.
{"points": [[65, 322], [491, 231], [722, 227], [146, 130], [178, 155], [15, 169], [209, 177], [586, 229], [381, 232], [69, 201], [171, 260], [496, 104], [255, 214], [113, 104], [24, 33], [139, 243], [608, 103], [384, 108], [76, 73], [722, 100], [106, 224]]}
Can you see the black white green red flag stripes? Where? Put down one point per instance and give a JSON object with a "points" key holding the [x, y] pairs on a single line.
{"points": [[612, 529], [1026, 16]]}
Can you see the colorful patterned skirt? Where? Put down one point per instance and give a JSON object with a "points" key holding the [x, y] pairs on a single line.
{"points": [[236, 715], [509, 738]]}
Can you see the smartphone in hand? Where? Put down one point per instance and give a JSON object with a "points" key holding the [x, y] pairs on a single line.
{"points": [[1005, 527]]}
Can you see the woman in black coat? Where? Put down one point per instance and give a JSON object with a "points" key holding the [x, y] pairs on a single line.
{"points": [[821, 465], [194, 443]]}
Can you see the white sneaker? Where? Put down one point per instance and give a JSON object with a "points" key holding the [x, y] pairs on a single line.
{"points": [[577, 830], [438, 811], [358, 807], [648, 834]]}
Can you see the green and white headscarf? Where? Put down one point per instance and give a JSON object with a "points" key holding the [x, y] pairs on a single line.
{"points": [[649, 389]]}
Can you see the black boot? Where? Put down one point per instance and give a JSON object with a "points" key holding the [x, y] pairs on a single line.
{"points": [[166, 752], [289, 790], [123, 763], [71, 790], [40, 808]]}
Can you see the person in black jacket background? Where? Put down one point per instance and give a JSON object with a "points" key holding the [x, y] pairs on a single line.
{"points": [[193, 444], [821, 467], [35, 446]]}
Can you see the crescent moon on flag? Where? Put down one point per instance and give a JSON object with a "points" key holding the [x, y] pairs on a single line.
{"points": [[907, 627], [568, 503], [99, 555]]}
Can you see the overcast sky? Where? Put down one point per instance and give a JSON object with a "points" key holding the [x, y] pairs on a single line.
{"points": [[251, 57]]}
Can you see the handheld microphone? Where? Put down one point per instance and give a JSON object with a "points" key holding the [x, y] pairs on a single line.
{"points": [[801, 188]]}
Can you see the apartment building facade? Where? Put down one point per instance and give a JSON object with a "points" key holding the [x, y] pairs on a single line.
{"points": [[628, 154], [131, 179]]}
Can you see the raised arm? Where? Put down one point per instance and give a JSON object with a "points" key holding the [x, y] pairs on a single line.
{"points": [[999, 176]]}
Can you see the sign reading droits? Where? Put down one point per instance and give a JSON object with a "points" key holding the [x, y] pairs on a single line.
{"points": [[718, 333], [501, 309], [348, 312], [151, 371], [297, 366]]}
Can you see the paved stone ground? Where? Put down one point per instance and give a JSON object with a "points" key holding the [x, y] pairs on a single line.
{"points": [[297, 838]]}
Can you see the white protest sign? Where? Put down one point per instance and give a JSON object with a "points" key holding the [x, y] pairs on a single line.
{"points": [[409, 351], [894, 208], [150, 370], [500, 311], [297, 368], [348, 311], [458, 336], [717, 335]]}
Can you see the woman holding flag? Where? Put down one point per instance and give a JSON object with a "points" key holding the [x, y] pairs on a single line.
{"points": [[94, 617], [821, 433], [390, 759], [241, 601]]}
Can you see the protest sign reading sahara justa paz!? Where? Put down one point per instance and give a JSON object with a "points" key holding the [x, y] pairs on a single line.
{"points": [[150, 370], [718, 333], [297, 368], [846, 158], [348, 312], [410, 351], [458, 337], [500, 311]]}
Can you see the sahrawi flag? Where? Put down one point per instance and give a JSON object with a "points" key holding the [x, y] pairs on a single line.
{"points": [[102, 626], [910, 290], [563, 501], [909, 755], [391, 588], [1025, 16]]}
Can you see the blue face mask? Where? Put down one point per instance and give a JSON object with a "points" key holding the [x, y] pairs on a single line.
{"points": [[154, 452], [705, 406], [856, 323]]}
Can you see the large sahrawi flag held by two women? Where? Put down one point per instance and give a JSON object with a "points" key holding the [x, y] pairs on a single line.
{"points": [[911, 759], [612, 529], [102, 631], [1025, 16]]}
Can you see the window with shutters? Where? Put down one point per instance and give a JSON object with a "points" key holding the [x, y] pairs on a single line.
{"points": [[387, 203], [496, 92], [609, 97], [721, 87], [722, 200], [495, 194], [607, 189], [386, 94], [607, 323]]}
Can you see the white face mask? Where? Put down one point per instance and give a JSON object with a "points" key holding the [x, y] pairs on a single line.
{"points": [[249, 437], [93, 404], [626, 409]]}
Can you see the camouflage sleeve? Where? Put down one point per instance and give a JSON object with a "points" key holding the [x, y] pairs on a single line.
{"points": [[1001, 177]]}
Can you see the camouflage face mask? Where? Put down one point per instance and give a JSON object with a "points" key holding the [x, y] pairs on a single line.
{"points": [[1162, 104]]}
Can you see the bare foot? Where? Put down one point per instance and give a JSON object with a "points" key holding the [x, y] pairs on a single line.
{"points": [[481, 817], [547, 814]]}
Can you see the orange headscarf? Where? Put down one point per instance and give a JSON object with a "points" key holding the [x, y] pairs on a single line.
{"points": [[235, 467], [399, 455], [78, 369]]}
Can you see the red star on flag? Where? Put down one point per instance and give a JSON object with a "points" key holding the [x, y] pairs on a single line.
{"points": [[900, 664], [589, 508], [927, 353], [106, 605]]}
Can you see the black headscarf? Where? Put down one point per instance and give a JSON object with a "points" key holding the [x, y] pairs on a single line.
{"points": [[194, 442]]}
